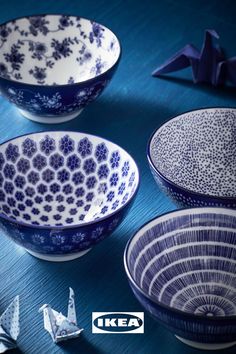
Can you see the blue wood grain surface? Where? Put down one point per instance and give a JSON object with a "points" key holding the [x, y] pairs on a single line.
{"points": [[128, 111]]}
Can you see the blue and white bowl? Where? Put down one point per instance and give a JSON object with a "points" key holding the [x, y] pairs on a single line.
{"points": [[193, 158], [52, 66], [63, 192], [182, 268]]}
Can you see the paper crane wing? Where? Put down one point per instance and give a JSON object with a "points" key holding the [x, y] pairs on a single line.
{"points": [[50, 319], [71, 314], [9, 326], [184, 58]]}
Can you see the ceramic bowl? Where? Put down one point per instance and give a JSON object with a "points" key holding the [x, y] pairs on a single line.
{"points": [[63, 192], [192, 158], [182, 268], [52, 66]]}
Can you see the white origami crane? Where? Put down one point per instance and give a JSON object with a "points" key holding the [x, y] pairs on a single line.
{"points": [[9, 326], [59, 326]]}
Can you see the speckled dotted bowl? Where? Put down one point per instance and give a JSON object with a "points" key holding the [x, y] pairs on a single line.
{"points": [[52, 66], [63, 192], [182, 268], [193, 157]]}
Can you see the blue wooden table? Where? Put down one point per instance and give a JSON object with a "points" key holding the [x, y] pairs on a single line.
{"points": [[128, 111]]}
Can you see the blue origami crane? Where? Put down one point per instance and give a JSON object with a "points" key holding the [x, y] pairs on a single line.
{"points": [[208, 65], [9, 326], [61, 327]]}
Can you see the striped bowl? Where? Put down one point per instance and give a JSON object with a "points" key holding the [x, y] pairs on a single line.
{"points": [[181, 267]]}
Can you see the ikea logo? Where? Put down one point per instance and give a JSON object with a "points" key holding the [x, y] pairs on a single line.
{"points": [[118, 322]]}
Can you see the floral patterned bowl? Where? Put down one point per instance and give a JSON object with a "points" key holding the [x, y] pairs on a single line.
{"points": [[63, 192], [192, 158], [52, 66], [182, 268]]}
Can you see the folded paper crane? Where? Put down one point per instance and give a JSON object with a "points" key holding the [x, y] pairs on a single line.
{"points": [[9, 326], [208, 65], [61, 327]]}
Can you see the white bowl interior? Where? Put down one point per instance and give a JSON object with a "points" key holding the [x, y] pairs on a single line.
{"points": [[56, 49], [197, 151], [64, 178]]}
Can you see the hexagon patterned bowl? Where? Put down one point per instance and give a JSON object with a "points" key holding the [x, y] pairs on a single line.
{"points": [[192, 158], [182, 268], [52, 66], [63, 192]]}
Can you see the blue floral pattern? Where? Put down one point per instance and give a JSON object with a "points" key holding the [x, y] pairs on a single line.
{"points": [[33, 50]]}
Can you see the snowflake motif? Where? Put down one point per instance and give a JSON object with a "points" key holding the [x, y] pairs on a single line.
{"points": [[78, 237], [23, 165], [115, 205], [114, 179], [48, 175], [89, 196], [49, 198], [2, 196], [125, 169], [104, 209], [67, 189], [102, 188], [33, 177], [131, 179], [91, 182], [73, 162], [66, 145], [20, 181], [103, 171], [6, 209], [85, 147], [79, 192], [15, 212], [39, 162], [47, 145], [63, 175], [29, 191], [97, 232], [54, 188], [121, 188], [29, 203], [29, 147], [11, 202], [12, 152], [70, 200], [115, 158], [60, 198], [38, 239], [110, 196], [19, 196], [113, 224], [57, 239], [56, 161], [47, 208], [78, 178], [42, 189], [38, 199], [89, 166], [9, 188], [1, 160], [101, 152], [9, 171], [125, 198]]}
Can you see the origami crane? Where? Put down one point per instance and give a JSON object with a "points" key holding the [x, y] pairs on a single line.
{"points": [[9, 326], [61, 327], [208, 65]]}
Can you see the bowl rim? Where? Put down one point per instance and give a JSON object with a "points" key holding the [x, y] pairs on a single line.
{"points": [[152, 298], [184, 189], [83, 224], [75, 83]]}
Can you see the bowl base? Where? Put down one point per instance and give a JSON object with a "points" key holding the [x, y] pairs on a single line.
{"points": [[206, 346], [50, 120], [59, 257]]}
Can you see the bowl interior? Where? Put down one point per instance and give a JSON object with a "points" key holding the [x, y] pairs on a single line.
{"points": [[187, 260], [64, 178], [55, 50], [197, 151]]}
